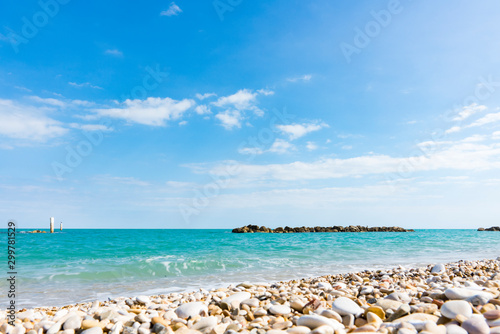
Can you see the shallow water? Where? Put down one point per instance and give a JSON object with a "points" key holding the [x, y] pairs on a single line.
{"points": [[85, 265]]}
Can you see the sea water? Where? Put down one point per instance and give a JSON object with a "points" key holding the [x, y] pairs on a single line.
{"points": [[85, 265]]}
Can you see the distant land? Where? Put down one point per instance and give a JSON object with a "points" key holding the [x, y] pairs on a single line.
{"points": [[303, 229]]}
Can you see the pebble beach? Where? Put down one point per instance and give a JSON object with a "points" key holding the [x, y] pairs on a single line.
{"points": [[459, 297]]}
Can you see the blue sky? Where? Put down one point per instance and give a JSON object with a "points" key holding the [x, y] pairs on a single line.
{"points": [[218, 114]]}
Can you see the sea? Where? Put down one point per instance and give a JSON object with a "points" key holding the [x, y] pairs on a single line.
{"points": [[83, 265]]}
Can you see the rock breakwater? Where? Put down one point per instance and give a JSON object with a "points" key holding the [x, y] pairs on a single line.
{"points": [[493, 228], [303, 229]]}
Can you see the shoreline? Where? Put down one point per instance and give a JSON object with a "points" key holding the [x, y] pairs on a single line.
{"points": [[341, 302]]}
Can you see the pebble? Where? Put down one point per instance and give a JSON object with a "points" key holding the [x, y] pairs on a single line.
{"points": [[18, 329], [396, 301], [143, 299], [252, 302], [93, 330], [191, 309], [492, 314], [235, 299], [314, 321], [438, 269], [73, 322], [463, 293], [345, 306], [298, 330], [54, 328], [278, 309], [452, 308], [205, 325], [476, 326], [455, 329]]}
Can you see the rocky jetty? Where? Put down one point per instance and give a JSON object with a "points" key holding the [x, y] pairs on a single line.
{"points": [[303, 229], [457, 298], [493, 228]]}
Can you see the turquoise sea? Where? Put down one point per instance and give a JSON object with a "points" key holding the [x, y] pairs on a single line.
{"points": [[85, 265]]}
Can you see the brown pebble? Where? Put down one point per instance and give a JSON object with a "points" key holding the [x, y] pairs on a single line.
{"points": [[492, 315]]}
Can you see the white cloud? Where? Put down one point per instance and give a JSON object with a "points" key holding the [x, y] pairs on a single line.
{"points": [[281, 146], [468, 111], [23, 88], [265, 92], [454, 156], [24, 122], [250, 151], [304, 78], [114, 52], [295, 131], [84, 84], [182, 123], [108, 179], [347, 147], [48, 101], [181, 185], [311, 146], [151, 111], [91, 127], [453, 129], [202, 110], [487, 119], [411, 122], [243, 99], [496, 135], [230, 119], [204, 96], [173, 10]]}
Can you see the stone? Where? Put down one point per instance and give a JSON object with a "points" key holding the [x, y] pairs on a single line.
{"points": [[93, 330], [417, 317], [455, 329], [323, 330], [54, 328], [142, 318], [476, 326], [278, 309], [205, 325], [494, 323], [143, 299], [452, 308], [324, 286], [191, 309], [495, 330], [235, 300], [402, 310], [331, 314], [18, 329], [345, 306], [86, 324], [297, 305], [463, 293], [406, 331], [260, 312], [298, 330], [438, 269], [377, 310], [314, 321], [73, 322], [252, 302], [492, 314], [388, 304]]}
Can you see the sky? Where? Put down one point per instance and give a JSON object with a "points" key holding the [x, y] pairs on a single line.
{"points": [[219, 114]]}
